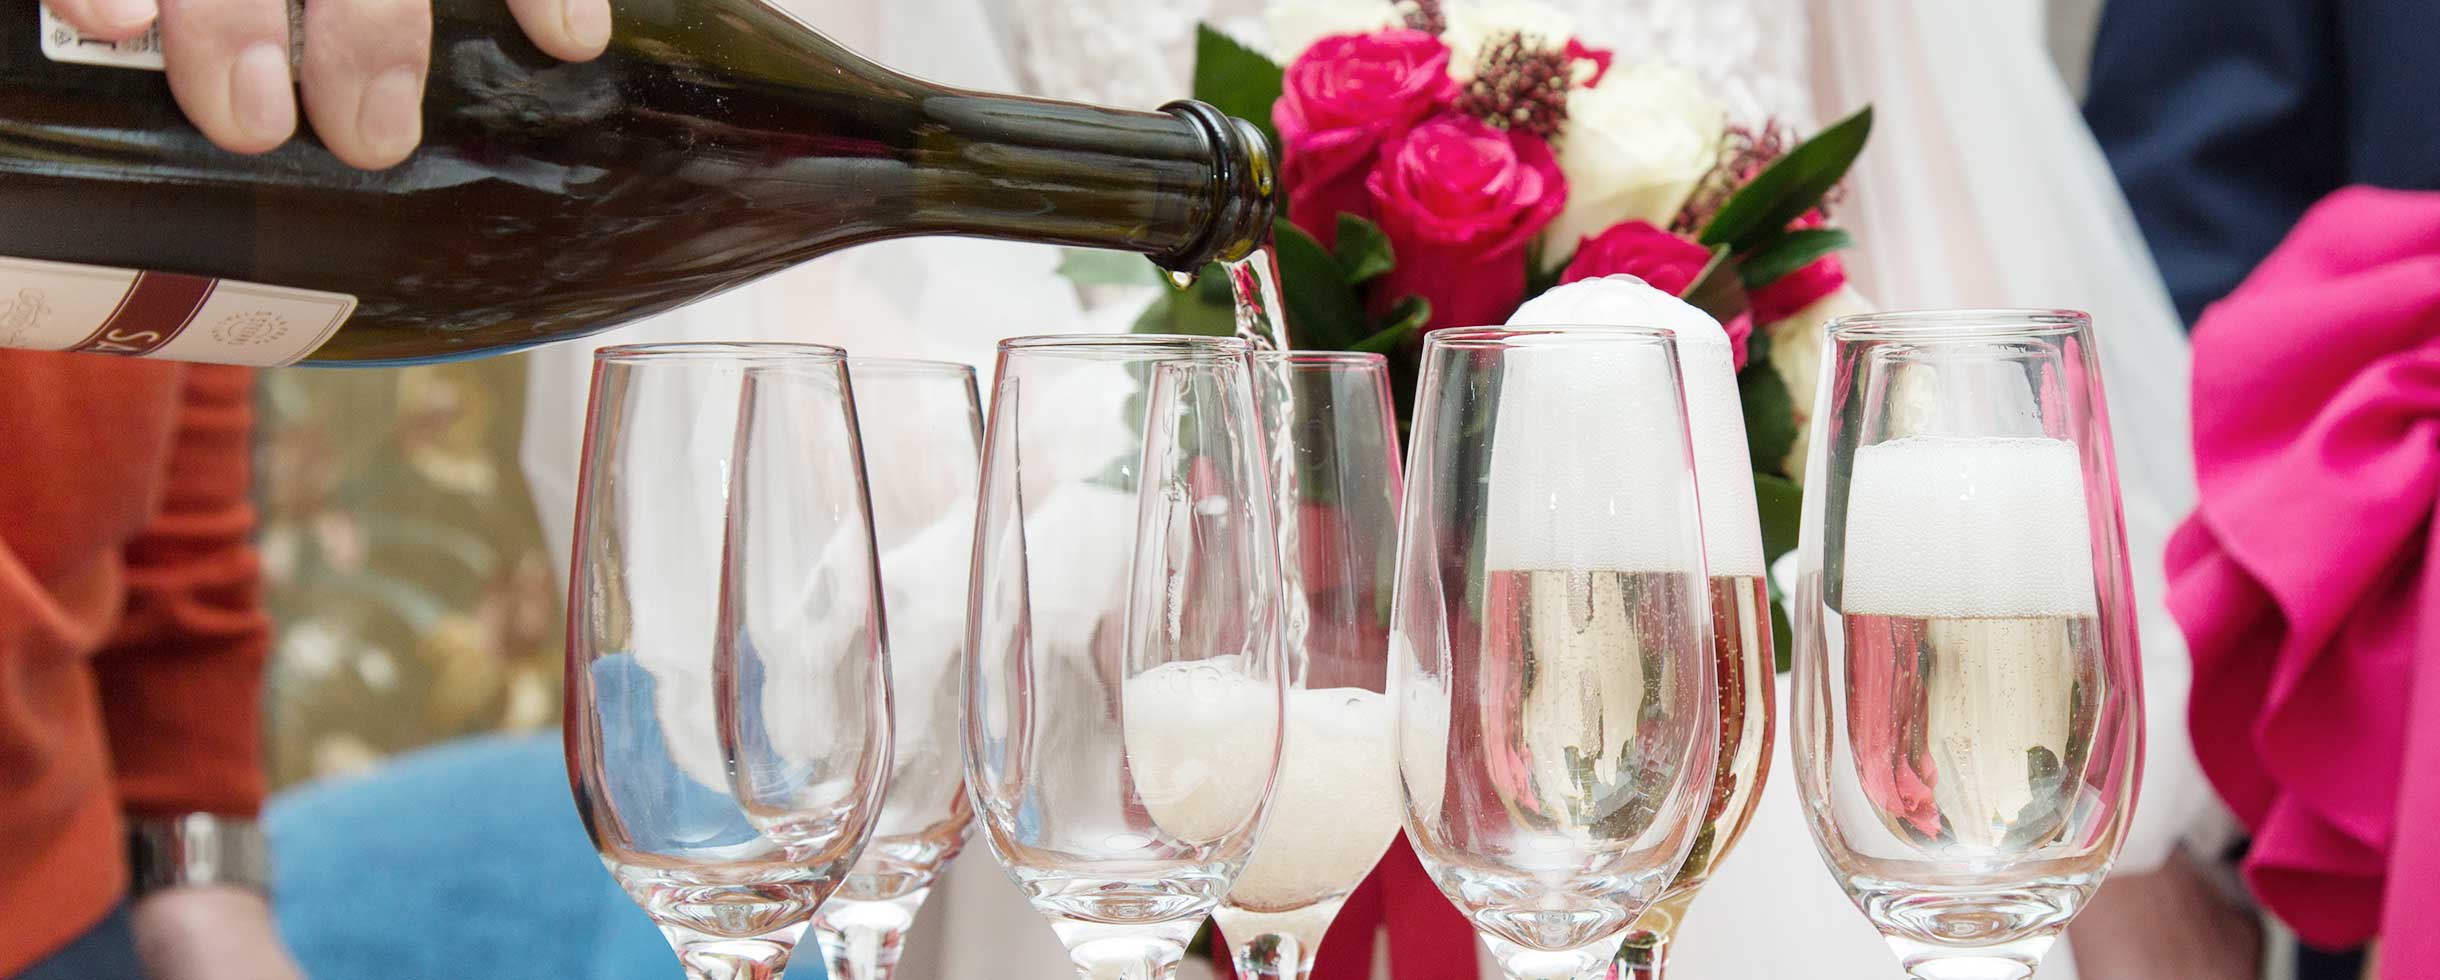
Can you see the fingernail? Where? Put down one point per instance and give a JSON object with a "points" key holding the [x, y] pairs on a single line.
{"points": [[260, 94], [125, 15], [390, 120], [587, 22]]}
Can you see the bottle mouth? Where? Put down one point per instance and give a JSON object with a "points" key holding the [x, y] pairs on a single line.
{"points": [[1244, 189]]}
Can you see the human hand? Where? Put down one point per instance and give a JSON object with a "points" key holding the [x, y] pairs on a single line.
{"points": [[362, 70], [210, 932], [2167, 924]]}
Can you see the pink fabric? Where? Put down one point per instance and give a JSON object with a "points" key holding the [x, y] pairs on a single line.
{"points": [[2306, 582]]}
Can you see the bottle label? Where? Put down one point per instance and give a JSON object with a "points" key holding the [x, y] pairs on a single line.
{"points": [[96, 309], [61, 42]]}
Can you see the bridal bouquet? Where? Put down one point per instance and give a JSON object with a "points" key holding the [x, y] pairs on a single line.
{"points": [[1445, 162]]}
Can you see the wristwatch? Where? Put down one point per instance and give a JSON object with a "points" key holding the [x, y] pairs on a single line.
{"points": [[197, 849]]}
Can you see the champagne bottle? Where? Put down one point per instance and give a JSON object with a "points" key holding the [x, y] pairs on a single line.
{"points": [[716, 141]]}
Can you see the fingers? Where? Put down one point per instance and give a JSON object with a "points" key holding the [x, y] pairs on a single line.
{"points": [[110, 20], [364, 68], [227, 62], [570, 30]]}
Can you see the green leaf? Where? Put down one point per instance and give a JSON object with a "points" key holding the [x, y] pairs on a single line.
{"points": [[1789, 187], [1203, 309], [1539, 275], [1104, 267], [1716, 290], [1236, 79], [1363, 250], [1770, 418], [1780, 504], [1789, 252], [1783, 652], [1404, 319], [1322, 308]]}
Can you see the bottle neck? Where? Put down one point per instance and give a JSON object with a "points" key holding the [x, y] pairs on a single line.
{"points": [[1184, 186]]}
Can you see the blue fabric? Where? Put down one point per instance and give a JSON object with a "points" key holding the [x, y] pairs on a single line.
{"points": [[105, 952], [2225, 119], [464, 862]]}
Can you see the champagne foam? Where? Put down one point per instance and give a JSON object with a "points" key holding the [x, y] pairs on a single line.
{"points": [[1581, 476], [1715, 417], [1337, 803], [1199, 745], [1942, 527]]}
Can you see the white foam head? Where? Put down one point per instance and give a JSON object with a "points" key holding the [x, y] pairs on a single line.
{"points": [[1942, 526], [1577, 479], [1715, 419]]}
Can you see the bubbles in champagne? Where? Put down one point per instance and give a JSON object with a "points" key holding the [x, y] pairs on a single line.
{"points": [[1965, 527], [1200, 745], [1972, 652], [1336, 806]]}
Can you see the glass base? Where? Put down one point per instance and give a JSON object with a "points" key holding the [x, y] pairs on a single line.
{"points": [[1588, 962], [2007, 961]]}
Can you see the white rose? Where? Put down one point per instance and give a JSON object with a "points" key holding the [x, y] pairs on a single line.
{"points": [[1796, 354], [1473, 26], [1296, 24], [1635, 147]]}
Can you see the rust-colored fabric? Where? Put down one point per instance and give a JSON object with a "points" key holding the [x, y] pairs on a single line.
{"points": [[132, 634]]}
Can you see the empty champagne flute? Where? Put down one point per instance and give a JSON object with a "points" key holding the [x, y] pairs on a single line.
{"points": [[1336, 807], [728, 704], [1551, 656], [1968, 714], [1124, 683], [921, 424]]}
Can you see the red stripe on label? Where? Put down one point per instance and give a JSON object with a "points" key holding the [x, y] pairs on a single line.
{"points": [[156, 309]]}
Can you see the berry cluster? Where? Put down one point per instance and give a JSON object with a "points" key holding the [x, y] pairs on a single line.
{"points": [[1520, 84]]}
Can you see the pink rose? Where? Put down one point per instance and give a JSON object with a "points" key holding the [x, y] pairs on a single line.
{"points": [[1667, 261], [1786, 295], [1664, 259], [1460, 201], [1600, 57], [1342, 99]]}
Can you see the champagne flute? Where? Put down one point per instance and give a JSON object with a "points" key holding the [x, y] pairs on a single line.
{"points": [[1124, 683], [1968, 710], [1551, 657], [921, 423], [1336, 807], [1740, 635], [727, 708]]}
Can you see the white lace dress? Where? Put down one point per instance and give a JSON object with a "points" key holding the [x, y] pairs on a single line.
{"points": [[1981, 188]]}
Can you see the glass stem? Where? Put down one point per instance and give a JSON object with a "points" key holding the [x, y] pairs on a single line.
{"points": [[1272, 956], [1642, 957], [733, 959], [864, 939], [1127, 958]]}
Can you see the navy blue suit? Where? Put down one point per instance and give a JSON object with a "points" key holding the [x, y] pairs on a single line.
{"points": [[2225, 119]]}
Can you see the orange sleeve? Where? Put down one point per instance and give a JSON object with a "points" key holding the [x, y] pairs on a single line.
{"points": [[181, 680]]}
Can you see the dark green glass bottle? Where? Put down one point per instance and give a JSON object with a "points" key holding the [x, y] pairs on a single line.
{"points": [[716, 142]]}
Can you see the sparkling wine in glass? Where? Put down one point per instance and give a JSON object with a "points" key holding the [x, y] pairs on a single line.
{"points": [[921, 424], [1740, 636], [1551, 653], [1336, 807], [1124, 681], [728, 715], [1968, 710]]}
